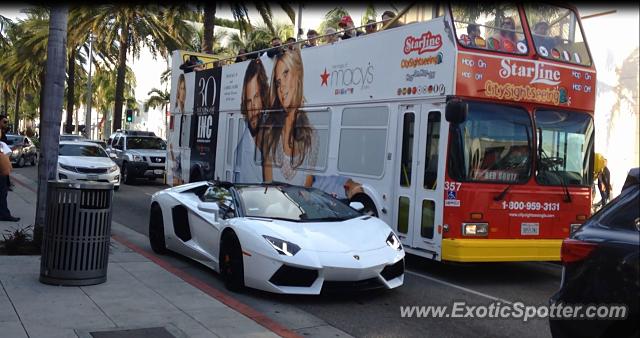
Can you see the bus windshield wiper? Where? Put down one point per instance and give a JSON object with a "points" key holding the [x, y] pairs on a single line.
{"points": [[565, 189], [502, 194]]}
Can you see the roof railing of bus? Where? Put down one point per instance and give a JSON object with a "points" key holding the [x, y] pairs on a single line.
{"points": [[292, 43]]}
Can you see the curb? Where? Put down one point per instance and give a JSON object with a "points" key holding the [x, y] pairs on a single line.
{"points": [[231, 302]]}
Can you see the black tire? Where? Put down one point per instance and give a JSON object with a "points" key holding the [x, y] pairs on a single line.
{"points": [[369, 206], [126, 175], [231, 264], [20, 162], [34, 159], [156, 231], [116, 187]]}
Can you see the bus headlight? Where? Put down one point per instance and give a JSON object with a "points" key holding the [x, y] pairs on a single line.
{"points": [[475, 229]]}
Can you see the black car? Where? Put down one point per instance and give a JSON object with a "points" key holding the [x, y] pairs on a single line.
{"points": [[601, 267]]}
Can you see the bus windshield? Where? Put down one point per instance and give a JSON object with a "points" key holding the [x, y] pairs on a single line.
{"points": [[495, 27], [556, 33], [565, 147], [493, 145]]}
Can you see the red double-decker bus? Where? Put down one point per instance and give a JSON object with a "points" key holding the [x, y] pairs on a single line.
{"points": [[471, 134], [520, 154]]}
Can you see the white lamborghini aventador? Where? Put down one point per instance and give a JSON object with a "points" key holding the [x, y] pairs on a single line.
{"points": [[276, 237]]}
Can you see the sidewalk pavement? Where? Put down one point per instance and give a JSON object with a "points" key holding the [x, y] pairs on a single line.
{"points": [[138, 294]]}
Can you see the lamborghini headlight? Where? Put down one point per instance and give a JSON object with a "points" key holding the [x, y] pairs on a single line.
{"points": [[282, 247], [394, 242]]}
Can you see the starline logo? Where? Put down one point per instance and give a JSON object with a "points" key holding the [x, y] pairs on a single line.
{"points": [[537, 73], [427, 42]]}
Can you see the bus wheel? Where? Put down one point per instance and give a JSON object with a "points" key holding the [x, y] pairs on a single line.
{"points": [[369, 206]]}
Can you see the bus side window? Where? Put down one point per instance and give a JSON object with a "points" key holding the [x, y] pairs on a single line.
{"points": [[407, 150], [431, 153]]}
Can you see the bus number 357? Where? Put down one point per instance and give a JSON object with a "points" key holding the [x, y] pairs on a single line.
{"points": [[520, 205]]}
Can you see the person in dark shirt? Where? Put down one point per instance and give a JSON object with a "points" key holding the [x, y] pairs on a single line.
{"points": [[350, 30], [311, 39], [4, 128], [241, 55], [276, 47], [192, 64], [604, 184]]}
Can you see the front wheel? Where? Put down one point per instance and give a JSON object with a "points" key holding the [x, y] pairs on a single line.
{"points": [[34, 159], [231, 264], [156, 230], [20, 162], [127, 178]]}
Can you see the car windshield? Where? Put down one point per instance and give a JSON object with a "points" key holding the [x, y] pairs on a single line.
{"points": [[13, 140], [81, 150], [492, 145], [293, 203], [145, 143], [71, 137], [565, 147]]}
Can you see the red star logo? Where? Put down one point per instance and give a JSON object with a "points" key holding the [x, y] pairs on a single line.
{"points": [[325, 77]]}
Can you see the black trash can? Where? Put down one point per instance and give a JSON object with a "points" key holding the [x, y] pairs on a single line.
{"points": [[77, 233]]}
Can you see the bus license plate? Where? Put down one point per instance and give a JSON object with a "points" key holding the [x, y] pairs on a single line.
{"points": [[92, 177], [529, 229]]}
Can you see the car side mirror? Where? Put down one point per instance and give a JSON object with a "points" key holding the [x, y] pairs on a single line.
{"points": [[456, 111], [210, 207], [357, 205], [112, 155]]}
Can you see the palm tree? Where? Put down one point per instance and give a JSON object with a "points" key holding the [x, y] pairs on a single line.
{"points": [[50, 115], [134, 26], [332, 18], [159, 98], [241, 16]]}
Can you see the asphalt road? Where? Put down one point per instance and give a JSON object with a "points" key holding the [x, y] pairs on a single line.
{"points": [[377, 313]]}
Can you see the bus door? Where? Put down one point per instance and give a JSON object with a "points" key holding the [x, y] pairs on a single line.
{"points": [[419, 193]]}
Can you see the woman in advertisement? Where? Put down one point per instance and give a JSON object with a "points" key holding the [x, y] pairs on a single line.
{"points": [[174, 154], [255, 98], [289, 141]]}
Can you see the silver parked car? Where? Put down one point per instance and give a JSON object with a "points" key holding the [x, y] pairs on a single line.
{"points": [[139, 155], [23, 150]]}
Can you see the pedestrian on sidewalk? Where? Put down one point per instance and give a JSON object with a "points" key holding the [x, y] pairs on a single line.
{"points": [[604, 184], [4, 127], [5, 170]]}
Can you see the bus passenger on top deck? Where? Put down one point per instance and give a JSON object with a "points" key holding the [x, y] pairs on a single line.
{"points": [[507, 35], [541, 36], [475, 38]]}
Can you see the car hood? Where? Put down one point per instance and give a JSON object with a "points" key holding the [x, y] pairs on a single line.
{"points": [[149, 152], [358, 234], [86, 162]]}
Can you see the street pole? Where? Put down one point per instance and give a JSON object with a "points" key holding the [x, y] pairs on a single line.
{"points": [[299, 23], [87, 115]]}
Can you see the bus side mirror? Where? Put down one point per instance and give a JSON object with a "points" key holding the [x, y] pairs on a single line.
{"points": [[456, 111]]}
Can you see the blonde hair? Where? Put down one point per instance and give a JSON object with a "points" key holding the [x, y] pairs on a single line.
{"points": [[301, 137]]}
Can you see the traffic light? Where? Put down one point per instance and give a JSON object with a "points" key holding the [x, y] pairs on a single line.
{"points": [[129, 115]]}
